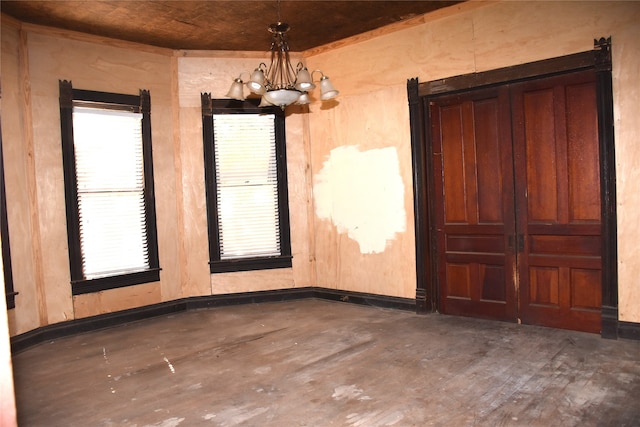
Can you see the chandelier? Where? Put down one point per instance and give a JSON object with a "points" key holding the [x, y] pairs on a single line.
{"points": [[280, 83]]}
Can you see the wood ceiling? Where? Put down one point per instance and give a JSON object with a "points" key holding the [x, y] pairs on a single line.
{"points": [[239, 25]]}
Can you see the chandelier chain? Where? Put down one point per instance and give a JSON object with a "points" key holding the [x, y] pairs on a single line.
{"points": [[278, 9]]}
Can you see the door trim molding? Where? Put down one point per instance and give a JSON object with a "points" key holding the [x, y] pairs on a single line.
{"points": [[426, 294], [421, 94], [513, 74], [604, 99]]}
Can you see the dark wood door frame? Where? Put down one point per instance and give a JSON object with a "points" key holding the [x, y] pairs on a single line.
{"points": [[420, 96]]}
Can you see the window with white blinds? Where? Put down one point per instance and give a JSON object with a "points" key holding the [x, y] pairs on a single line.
{"points": [[110, 185], [109, 195], [247, 185], [246, 182]]}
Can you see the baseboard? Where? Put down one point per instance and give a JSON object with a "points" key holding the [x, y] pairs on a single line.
{"points": [[29, 339], [72, 327], [629, 330], [361, 298]]}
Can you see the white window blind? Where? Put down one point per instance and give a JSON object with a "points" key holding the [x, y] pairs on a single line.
{"points": [[247, 185], [110, 185]]}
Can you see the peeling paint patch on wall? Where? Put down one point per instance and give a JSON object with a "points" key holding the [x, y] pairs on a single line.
{"points": [[362, 194]]}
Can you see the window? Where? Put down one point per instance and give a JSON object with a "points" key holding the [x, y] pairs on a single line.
{"points": [[246, 180], [108, 175], [5, 259]]}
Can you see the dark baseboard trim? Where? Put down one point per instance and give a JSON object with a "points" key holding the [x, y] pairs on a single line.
{"points": [[362, 298], [625, 330], [29, 339], [629, 330]]}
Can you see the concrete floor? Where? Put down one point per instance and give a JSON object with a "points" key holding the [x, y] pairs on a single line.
{"points": [[321, 363]]}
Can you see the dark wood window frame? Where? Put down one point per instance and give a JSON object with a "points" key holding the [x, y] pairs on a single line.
{"points": [[139, 103], [4, 231], [226, 106], [420, 96]]}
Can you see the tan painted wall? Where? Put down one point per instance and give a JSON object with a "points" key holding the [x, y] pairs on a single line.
{"points": [[371, 71], [7, 396], [19, 173]]}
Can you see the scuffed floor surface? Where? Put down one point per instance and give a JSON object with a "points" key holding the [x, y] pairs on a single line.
{"points": [[321, 363]]}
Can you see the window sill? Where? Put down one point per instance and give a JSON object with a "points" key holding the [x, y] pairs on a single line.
{"points": [[79, 287], [249, 264]]}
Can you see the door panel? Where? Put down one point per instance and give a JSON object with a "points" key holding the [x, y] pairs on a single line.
{"points": [[540, 154], [558, 201], [472, 162], [583, 159]]}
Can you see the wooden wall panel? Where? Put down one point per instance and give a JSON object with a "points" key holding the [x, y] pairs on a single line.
{"points": [[15, 170], [86, 305], [250, 281]]}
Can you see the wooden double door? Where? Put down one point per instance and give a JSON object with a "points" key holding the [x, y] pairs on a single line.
{"points": [[518, 202]]}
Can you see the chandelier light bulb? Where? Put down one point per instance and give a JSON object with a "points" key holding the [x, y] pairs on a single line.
{"points": [[303, 99], [327, 91], [303, 80], [236, 91], [256, 83]]}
